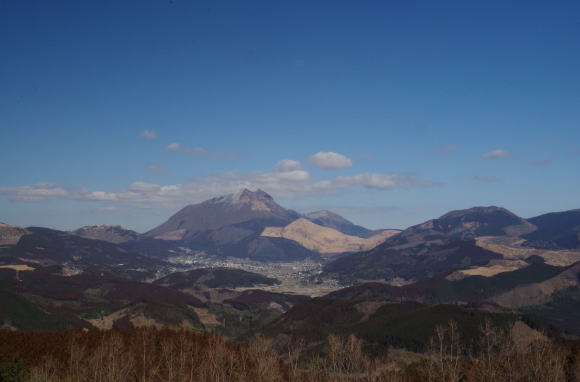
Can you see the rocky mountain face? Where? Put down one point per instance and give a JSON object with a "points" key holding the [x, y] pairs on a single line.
{"points": [[326, 240], [330, 219], [111, 233]]}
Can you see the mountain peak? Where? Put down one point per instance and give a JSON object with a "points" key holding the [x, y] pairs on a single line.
{"points": [[247, 195], [326, 214], [331, 219], [478, 210], [227, 210]]}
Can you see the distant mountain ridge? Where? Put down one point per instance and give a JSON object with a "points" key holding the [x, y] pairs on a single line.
{"points": [[330, 219]]}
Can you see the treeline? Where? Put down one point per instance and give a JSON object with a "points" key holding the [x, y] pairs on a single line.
{"points": [[153, 355]]}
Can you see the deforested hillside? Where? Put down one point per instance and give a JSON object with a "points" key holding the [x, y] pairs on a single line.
{"points": [[326, 240]]}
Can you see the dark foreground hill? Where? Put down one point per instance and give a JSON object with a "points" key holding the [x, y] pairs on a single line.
{"points": [[424, 260], [215, 278], [41, 300]]}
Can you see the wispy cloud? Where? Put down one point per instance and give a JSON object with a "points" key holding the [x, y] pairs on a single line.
{"points": [[542, 162], [288, 165], [199, 151], [42, 191], [148, 134], [159, 169], [329, 160], [284, 182], [496, 154], [487, 179]]}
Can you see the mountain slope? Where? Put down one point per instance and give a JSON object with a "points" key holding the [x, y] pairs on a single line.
{"points": [[113, 234], [541, 292], [40, 299], [222, 212], [434, 247], [230, 226], [556, 230], [421, 261], [10, 234], [464, 224], [325, 240], [43, 247], [330, 219]]}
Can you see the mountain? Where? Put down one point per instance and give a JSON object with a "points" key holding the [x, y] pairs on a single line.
{"points": [[326, 240], [464, 224], [221, 212], [231, 226], [43, 247], [556, 230], [437, 246], [10, 234], [111, 233], [330, 219]]}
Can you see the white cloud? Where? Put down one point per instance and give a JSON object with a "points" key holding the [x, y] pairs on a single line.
{"points": [[487, 179], [286, 165], [148, 134], [159, 169], [330, 160], [496, 154], [290, 184]]}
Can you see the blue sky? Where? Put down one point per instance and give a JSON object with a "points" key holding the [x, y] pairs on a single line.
{"points": [[121, 112]]}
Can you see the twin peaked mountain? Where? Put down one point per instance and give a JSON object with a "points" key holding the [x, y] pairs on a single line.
{"points": [[250, 224]]}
